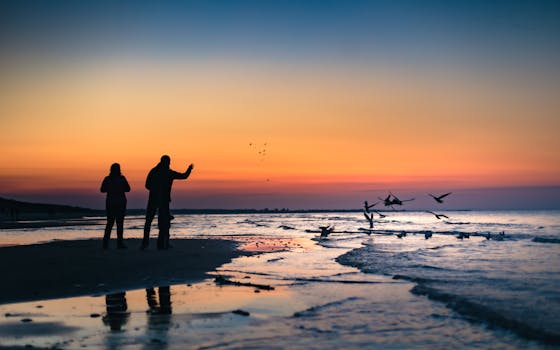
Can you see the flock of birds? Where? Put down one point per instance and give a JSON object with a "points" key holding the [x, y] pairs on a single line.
{"points": [[390, 201], [260, 149]]}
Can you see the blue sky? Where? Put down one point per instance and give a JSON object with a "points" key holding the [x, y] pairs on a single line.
{"points": [[354, 30]]}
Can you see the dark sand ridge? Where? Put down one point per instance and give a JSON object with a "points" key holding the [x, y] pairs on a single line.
{"points": [[74, 268]]}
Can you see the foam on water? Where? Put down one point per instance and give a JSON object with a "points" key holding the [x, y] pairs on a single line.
{"points": [[514, 283]]}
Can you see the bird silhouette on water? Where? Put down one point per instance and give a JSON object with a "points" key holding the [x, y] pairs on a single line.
{"points": [[326, 230], [438, 216], [381, 215], [369, 218]]}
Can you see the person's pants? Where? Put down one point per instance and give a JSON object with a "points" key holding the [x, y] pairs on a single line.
{"points": [[115, 213], [164, 223]]}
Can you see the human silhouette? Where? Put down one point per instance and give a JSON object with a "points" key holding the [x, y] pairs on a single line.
{"points": [[159, 182], [117, 311], [159, 317], [164, 305], [115, 185]]}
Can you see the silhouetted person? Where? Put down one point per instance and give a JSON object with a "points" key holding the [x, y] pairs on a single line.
{"points": [[115, 185], [159, 182], [117, 311], [159, 317], [164, 305]]}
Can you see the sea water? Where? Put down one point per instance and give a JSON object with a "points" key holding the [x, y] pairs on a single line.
{"points": [[357, 288]]}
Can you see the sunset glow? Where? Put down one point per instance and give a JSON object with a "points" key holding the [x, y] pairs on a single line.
{"points": [[334, 126]]}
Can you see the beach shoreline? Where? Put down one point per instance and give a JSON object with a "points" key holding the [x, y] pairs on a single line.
{"points": [[81, 267]]}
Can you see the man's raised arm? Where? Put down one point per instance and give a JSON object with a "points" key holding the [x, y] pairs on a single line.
{"points": [[184, 175]]}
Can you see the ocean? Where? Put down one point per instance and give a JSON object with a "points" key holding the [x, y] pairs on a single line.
{"points": [[498, 288]]}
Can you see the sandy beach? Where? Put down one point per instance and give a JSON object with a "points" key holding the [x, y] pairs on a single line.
{"points": [[75, 268], [261, 281]]}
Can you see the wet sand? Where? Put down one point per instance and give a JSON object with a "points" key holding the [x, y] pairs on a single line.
{"points": [[75, 268]]}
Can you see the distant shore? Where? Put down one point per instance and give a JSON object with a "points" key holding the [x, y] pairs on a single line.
{"points": [[74, 268]]}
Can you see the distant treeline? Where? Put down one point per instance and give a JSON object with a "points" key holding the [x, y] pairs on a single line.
{"points": [[12, 210]]}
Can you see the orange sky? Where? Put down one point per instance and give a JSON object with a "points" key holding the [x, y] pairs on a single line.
{"points": [[62, 126]]}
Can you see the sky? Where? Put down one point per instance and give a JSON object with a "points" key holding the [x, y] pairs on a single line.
{"points": [[291, 104]]}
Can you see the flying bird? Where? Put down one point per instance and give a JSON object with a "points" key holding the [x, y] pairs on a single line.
{"points": [[396, 201], [368, 206], [439, 199], [369, 218], [438, 216], [386, 201], [381, 215], [389, 202]]}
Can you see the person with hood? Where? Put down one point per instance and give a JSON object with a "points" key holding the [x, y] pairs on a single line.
{"points": [[115, 185]]}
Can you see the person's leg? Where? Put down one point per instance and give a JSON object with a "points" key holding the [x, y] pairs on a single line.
{"points": [[165, 300], [150, 213], [108, 229], [163, 224], [120, 231]]}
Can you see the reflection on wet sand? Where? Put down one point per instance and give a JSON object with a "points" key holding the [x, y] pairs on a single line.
{"points": [[117, 311], [159, 315]]}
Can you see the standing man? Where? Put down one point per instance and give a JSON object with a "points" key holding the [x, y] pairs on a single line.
{"points": [[159, 182]]}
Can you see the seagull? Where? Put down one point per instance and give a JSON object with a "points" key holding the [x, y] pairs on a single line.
{"points": [[428, 235], [381, 215], [464, 235], [401, 235], [397, 201], [501, 236], [439, 199], [326, 230], [438, 216], [388, 202], [369, 218], [368, 206]]}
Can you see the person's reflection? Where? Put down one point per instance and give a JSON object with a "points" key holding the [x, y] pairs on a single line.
{"points": [[117, 311], [159, 314]]}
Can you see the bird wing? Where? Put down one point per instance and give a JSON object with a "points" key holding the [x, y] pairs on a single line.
{"points": [[407, 200], [444, 195], [444, 216]]}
